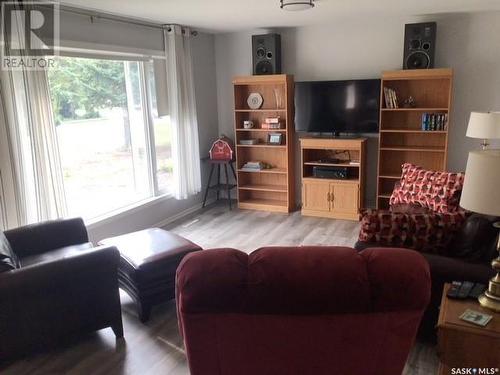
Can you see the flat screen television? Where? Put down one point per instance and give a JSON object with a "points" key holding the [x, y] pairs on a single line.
{"points": [[337, 106]]}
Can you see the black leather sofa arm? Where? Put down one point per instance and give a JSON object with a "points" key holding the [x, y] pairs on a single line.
{"points": [[42, 237], [38, 277]]}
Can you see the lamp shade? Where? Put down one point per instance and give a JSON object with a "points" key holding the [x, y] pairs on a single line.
{"points": [[481, 191], [484, 125]]}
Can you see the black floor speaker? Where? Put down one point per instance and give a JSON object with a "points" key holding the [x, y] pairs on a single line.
{"points": [[420, 45], [266, 54]]}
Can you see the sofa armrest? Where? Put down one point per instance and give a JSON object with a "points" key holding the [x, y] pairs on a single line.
{"points": [[42, 237], [420, 231], [48, 275]]}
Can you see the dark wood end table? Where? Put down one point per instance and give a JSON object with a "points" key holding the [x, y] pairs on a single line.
{"points": [[465, 345]]}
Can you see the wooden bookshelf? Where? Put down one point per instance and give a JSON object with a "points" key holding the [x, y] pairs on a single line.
{"points": [[268, 189], [401, 136], [330, 197]]}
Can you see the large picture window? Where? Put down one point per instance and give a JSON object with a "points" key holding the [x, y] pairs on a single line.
{"points": [[114, 149]]}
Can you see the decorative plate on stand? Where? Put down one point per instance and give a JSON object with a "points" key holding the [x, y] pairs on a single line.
{"points": [[255, 100]]}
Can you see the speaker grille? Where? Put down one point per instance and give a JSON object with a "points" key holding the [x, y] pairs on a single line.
{"points": [[418, 60], [264, 67]]}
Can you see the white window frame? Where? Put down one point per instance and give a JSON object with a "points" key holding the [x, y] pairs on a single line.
{"points": [[155, 192]]}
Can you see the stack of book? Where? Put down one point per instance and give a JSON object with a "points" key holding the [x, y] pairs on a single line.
{"points": [[271, 123], [391, 98], [434, 121], [253, 166]]}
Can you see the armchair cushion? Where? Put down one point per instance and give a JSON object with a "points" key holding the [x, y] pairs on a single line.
{"points": [[61, 253], [430, 232], [436, 190], [8, 260]]}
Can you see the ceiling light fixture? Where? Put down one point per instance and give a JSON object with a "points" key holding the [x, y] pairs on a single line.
{"points": [[296, 4]]}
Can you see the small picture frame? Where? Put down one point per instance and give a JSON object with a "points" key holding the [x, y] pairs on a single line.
{"points": [[275, 138]]}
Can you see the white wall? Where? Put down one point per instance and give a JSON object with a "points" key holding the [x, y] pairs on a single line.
{"points": [[468, 43], [203, 51]]}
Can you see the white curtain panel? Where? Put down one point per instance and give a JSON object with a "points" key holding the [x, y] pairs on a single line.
{"points": [[182, 110], [33, 144]]}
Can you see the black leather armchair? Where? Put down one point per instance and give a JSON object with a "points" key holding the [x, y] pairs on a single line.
{"points": [[55, 286]]}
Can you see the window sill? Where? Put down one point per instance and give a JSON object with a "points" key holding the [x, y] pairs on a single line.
{"points": [[125, 211]]}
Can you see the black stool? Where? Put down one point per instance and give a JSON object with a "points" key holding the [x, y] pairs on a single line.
{"points": [[218, 186]]}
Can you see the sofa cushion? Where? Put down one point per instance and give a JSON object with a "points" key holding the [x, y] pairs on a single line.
{"points": [[411, 209], [8, 259], [439, 191], [431, 232], [56, 254]]}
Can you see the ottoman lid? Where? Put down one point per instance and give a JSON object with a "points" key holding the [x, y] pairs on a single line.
{"points": [[149, 246]]}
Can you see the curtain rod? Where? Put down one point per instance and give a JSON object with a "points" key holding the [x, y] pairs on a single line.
{"points": [[116, 18]]}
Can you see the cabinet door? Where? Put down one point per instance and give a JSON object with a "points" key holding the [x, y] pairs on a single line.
{"points": [[315, 195], [345, 198]]}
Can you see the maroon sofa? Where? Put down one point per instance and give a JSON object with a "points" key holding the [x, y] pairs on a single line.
{"points": [[301, 310]]}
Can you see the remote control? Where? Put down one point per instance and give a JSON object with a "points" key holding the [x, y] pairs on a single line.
{"points": [[465, 289], [477, 290], [453, 291]]}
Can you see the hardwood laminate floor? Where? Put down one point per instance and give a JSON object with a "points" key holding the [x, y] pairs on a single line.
{"points": [[156, 347]]}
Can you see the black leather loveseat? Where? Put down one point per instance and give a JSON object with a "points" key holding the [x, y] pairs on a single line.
{"points": [[54, 285]]}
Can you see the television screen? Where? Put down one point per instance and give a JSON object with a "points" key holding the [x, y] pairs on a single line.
{"points": [[337, 106]]}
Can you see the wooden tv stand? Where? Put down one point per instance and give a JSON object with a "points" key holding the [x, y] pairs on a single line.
{"points": [[333, 197]]}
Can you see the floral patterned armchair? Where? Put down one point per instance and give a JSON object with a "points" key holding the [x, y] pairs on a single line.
{"points": [[424, 212]]}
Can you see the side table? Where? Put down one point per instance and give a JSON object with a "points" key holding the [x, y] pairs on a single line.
{"points": [[220, 186], [465, 345]]}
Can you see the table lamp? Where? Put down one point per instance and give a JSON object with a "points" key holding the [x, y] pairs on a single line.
{"points": [[481, 194], [485, 126]]}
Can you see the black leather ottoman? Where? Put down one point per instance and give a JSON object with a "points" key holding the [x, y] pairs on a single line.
{"points": [[148, 262]]}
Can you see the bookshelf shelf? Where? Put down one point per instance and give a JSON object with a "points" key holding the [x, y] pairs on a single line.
{"points": [[413, 148], [271, 170], [262, 130], [392, 177], [263, 204], [261, 110], [427, 109], [267, 146], [277, 188], [331, 164], [413, 131], [402, 139]]}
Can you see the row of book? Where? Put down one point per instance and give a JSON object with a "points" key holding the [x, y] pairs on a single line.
{"points": [[434, 121], [391, 98]]}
